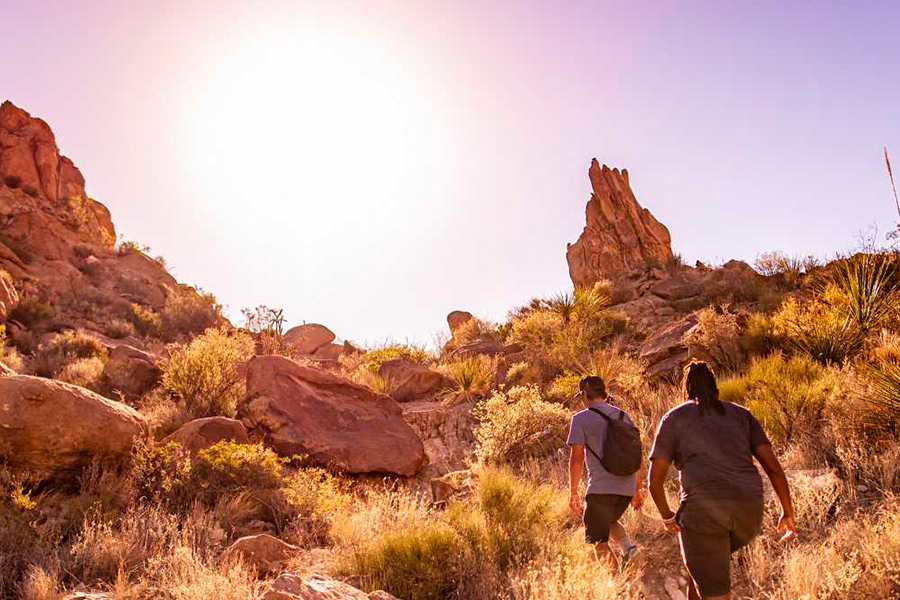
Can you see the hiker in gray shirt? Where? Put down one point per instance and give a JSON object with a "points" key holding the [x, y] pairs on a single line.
{"points": [[712, 444], [608, 496]]}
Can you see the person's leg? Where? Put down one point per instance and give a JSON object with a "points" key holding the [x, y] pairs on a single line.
{"points": [[599, 514], [619, 535], [604, 555], [706, 550]]}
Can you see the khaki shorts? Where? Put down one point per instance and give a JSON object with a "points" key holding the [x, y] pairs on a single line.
{"points": [[711, 530]]}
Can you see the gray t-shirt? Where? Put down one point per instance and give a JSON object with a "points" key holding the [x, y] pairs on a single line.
{"points": [[713, 452], [589, 428]]}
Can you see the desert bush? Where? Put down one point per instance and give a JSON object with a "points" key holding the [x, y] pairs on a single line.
{"points": [[474, 330], [125, 246], [204, 374], [817, 329], [52, 357], [884, 377], [161, 473], [523, 373], [790, 268], [32, 311], [118, 328], [717, 339], [471, 375], [563, 388], [84, 372], [373, 359], [537, 331], [620, 372], [517, 424], [189, 312], [787, 394], [163, 412], [145, 320]]}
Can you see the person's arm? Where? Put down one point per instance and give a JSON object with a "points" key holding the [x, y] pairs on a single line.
{"points": [[772, 467], [576, 468], [637, 501], [659, 468]]}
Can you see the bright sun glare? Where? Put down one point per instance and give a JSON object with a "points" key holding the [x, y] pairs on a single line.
{"points": [[315, 133]]}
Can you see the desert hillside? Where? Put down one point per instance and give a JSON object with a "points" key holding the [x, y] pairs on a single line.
{"points": [[152, 449]]}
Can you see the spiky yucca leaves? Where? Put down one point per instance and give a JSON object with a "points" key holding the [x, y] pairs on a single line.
{"points": [[563, 304], [866, 287], [472, 376], [590, 302]]}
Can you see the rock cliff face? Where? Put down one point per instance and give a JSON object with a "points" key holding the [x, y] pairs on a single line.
{"points": [[57, 244], [620, 236]]}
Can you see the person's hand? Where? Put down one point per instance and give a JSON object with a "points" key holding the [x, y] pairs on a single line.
{"points": [[787, 525], [575, 505], [637, 501], [673, 527]]}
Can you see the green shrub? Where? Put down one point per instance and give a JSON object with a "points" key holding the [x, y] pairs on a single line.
{"points": [[230, 466], [563, 388], [145, 320], [32, 311], [204, 373], [160, 473], [819, 330], [373, 359], [787, 394], [189, 312], [518, 424], [523, 373], [65, 348]]}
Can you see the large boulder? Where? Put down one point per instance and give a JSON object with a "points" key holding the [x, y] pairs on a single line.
{"points": [[55, 429], [199, 434], [332, 421], [410, 381], [263, 551], [131, 371], [457, 318], [309, 337], [619, 235]]}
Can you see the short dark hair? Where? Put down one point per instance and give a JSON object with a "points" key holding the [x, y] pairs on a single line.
{"points": [[593, 387]]}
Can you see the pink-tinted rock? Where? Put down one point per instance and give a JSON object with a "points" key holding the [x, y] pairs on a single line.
{"points": [[334, 422], [410, 381], [619, 236], [309, 337], [263, 551], [457, 318]]}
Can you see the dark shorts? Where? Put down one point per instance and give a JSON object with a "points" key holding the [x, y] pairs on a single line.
{"points": [[600, 512], [710, 532]]}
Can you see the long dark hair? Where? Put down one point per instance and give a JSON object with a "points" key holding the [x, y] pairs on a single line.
{"points": [[700, 384]]}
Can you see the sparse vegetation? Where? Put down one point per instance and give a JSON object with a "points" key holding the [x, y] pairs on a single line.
{"points": [[64, 349], [204, 375], [518, 424]]}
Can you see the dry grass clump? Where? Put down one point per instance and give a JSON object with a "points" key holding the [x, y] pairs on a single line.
{"points": [[717, 340], [84, 372], [518, 424], [204, 374], [472, 377], [398, 543], [189, 312], [52, 357]]}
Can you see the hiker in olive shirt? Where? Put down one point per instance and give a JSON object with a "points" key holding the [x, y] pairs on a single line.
{"points": [[608, 495], [712, 443]]}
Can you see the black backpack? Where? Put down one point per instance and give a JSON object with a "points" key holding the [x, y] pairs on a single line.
{"points": [[622, 449]]}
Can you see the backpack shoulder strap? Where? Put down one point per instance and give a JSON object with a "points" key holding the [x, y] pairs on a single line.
{"points": [[603, 414]]}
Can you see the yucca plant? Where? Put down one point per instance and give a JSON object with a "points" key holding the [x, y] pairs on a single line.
{"points": [[563, 304], [472, 376], [867, 287], [590, 302]]}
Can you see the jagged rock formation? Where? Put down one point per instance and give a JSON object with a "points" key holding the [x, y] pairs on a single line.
{"points": [[620, 236]]}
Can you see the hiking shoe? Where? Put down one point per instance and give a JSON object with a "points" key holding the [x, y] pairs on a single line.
{"points": [[629, 555]]}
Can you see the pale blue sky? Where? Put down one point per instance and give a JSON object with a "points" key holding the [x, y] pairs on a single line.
{"points": [[374, 165]]}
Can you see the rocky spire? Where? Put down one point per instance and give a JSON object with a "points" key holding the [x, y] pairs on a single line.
{"points": [[620, 236]]}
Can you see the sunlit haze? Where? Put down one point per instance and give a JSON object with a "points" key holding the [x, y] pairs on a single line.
{"points": [[374, 165]]}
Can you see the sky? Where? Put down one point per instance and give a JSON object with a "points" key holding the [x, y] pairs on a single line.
{"points": [[372, 166]]}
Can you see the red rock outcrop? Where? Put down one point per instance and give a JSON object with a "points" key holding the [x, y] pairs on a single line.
{"points": [[620, 236], [332, 421]]}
